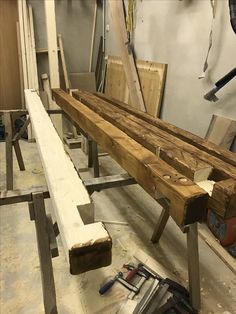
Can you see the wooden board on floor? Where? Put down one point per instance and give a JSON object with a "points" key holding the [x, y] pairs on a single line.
{"points": [[187, 200], [86, 246], [222, 131], [152, 77]]}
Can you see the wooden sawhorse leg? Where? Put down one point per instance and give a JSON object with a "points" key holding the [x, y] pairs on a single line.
{"points": [[46, 249], [12, 141], [193, 255]]}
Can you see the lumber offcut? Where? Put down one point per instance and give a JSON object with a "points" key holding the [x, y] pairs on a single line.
{"points": [[187, 201], [86, 246]]}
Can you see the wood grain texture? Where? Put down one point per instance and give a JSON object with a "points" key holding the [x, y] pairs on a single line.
{"points": [[188, 201], [127, 57], [152, 77], [10, 89], [180, 155], [222, 131], [186, 136], [86, 246], [223, 198], [141, 131]]}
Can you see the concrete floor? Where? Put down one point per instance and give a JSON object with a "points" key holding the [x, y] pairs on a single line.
{"points": [[20, 274]]}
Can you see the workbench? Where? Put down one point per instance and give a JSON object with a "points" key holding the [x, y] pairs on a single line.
{"points": [[188, 197]]}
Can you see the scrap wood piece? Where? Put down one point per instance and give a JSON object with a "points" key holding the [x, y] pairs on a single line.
{"points": [[86, 246], [182, 161], [186, 136], [188, 201], [221, 131], [152, 77], [131, 74], [223, 198]]}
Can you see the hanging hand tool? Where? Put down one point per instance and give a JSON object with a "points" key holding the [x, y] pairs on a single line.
{"points": [[218, 85]]}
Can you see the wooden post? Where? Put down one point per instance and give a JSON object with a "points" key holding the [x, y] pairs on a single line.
{"points": [[93, 35], [63, 61], [53, 58]]}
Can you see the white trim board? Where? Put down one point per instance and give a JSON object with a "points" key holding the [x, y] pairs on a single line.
{"points": [[86, 246]]}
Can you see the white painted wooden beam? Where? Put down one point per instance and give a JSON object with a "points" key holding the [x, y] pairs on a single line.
{"points": [[52, 43], [87, 246]]}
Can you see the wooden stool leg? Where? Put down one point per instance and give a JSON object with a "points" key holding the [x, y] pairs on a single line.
{"points": [[9, 156], [160, 226], [193, 266], [41, 224]]}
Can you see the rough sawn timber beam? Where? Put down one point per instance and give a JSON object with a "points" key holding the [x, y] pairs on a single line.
{"points": [[184, 135], [195, 164], [187, 200], [86, 246], [184, 162]]}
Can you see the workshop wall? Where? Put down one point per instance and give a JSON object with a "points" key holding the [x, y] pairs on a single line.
{"points": [[177, 32], [74, 21]]}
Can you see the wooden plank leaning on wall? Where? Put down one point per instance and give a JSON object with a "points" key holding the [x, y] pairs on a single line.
{"points": [[86, 246], [132, 78], [152, 77], [53, 58], [152, 173]]}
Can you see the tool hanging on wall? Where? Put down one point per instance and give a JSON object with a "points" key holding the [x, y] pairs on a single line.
{"points": [[219, 84], [232, 11], [205, 66]]}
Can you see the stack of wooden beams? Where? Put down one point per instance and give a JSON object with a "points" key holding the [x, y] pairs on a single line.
{"points": [[162, 158]]}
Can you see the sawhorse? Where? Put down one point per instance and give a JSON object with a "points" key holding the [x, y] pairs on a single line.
{"points": [[12, 140], [192, 254]]}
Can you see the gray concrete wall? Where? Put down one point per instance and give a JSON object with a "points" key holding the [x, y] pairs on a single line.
{"points": [[176, 32], [74, 19]]}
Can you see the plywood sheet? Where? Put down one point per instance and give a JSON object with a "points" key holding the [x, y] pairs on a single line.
{"points": [[10, 90], [152, 77]]}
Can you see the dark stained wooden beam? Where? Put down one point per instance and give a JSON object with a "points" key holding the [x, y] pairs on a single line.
{"points": [[223, 198], [180, 155], [184, 135], [187, 201], [184, 162]]}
